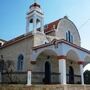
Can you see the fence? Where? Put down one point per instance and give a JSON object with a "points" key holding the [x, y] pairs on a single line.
{"points": [[21, 77], [14, 78], [36, 78], [77, 79]]}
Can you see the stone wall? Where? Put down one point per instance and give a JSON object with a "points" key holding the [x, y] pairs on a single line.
{"points": [[12, 52], [39, 39], [45, 87]]}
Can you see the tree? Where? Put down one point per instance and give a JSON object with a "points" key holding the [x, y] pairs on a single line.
{"points": [[87, 77], [6, 68], [2, 63], [9, 65]]}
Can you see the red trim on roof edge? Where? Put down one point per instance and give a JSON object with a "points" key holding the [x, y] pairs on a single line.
{"points": [[15, 40], [62, 41]]}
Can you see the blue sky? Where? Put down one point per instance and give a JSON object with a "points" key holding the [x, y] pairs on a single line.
{"points": [[13, 13]]}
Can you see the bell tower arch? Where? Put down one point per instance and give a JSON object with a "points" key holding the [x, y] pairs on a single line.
{"points": [[35, 16]]}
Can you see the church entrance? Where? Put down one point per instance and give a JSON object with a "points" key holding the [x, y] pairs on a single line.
{"points": [[71, 75], [47, 78]]}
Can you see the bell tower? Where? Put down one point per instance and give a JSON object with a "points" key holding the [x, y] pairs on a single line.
{"points": [[35, 17]]}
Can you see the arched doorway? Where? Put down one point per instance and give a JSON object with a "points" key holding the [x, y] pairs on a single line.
{"points": [[73, 68], [46, 68], [47, 78], [71, 75]]}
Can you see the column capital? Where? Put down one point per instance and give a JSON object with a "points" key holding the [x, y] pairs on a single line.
{"points": [[80, 62], [61, 57]]}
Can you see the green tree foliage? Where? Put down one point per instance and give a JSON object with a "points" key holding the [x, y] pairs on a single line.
{"points": [[87, 77]]}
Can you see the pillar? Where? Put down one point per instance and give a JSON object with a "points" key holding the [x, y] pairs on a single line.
{"points": [[81, 71], [34, 23], [62, 69], [29, 78], [0, 78], [42, 25], [27, 25]]}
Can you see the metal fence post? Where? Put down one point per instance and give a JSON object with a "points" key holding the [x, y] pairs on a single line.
{"points": [[0, 77], [29, 78]]}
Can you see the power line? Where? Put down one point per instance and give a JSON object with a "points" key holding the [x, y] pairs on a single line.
{"points": [[84, 23]]}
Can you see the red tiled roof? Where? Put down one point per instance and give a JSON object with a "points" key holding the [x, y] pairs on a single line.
{"points": [[51, 26], [17, 39]]}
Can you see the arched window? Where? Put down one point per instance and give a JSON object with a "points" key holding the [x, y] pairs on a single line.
{"points": [[69, 37], [20, 62]]}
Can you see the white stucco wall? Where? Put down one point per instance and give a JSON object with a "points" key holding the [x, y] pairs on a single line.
{"points": [[39, 39], [66, 25], [12, 52]]}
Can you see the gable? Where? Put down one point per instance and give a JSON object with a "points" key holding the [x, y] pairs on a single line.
{"points": [[65, 25]]}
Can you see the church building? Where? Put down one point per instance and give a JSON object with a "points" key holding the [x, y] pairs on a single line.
{"points": [[52, 51]]}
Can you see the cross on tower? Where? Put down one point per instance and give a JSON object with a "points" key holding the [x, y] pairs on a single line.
{"points": [[35, 16]]}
